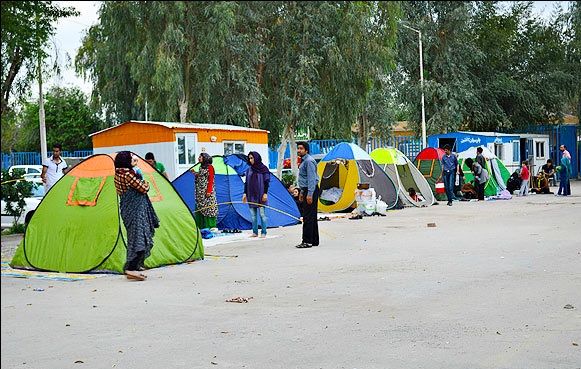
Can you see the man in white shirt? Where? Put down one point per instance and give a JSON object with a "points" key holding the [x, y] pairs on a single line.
{"points": [[565, 152], [53, 168]]}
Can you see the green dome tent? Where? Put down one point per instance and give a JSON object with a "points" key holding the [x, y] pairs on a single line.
{"points": [[77, 226], [405, 175], [429, 163], [497, 172]]}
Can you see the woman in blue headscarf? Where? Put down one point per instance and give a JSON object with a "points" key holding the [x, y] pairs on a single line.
{"points": [[564, 177], [256, 190]]}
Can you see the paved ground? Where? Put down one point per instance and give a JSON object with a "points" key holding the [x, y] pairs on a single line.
{"points": [[486, 288]]}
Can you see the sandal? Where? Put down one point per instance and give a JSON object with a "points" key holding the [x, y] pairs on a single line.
{"points": [[303, 246], [139, 277]]}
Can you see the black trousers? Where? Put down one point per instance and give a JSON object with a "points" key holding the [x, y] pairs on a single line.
{"points": [[310, 221], [480, 189]]}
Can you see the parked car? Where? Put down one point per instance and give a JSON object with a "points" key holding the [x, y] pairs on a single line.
{"points": [[30, 171], [31, 204]]}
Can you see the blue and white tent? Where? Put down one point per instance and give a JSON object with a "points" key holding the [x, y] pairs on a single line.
{"points": [[232, 213]]}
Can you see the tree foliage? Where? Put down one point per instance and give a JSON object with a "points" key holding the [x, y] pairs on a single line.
{"points": [[282, 66], [486, 67], [26, 28], [14, 192], [69, 121]]}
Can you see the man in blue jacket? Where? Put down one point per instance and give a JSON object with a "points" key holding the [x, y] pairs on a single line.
{"points": [[308, 196], [449, 169]]}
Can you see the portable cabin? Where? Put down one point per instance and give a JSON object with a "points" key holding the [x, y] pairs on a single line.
{"points": [[178, 145], [506, 147], [535, 148]]}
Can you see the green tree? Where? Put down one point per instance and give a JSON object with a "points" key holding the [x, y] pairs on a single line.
{"points": [[572, 38], [523, 77], [13, 193], [238, 99], [486, 67], [167, 53], [104, 58], [69, 121], [448, 56], [26, 28]]}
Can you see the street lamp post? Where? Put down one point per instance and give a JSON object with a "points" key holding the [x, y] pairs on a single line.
{"points": [[424, 143]]}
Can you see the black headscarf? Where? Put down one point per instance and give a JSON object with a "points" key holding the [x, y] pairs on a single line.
{"points": [[206, 160], [123, 160], [258, 166]]}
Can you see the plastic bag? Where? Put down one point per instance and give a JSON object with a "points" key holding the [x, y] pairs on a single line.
{"points": [[381, 207], [366, 201]]}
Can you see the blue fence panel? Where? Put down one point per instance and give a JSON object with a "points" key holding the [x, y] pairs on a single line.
{"points": [[33, 158], [272, 158], [563, 134], [315, 147], [408, 145], [324, 146]]}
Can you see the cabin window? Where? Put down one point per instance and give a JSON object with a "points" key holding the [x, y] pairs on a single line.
{"points": [[498, 151], [186, 144], [515, 151], [234, 148], [540, 149]]}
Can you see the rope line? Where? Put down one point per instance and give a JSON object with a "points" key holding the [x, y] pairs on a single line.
{"points": [[251, 203]]}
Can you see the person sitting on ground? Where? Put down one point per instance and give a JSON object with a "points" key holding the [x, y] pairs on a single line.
{"points": [[468, 191], [549, 171], [514, 181], [540, 184], [414, 196]]}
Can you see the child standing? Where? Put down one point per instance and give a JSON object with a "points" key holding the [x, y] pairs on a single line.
{"points": [[524, 175]]}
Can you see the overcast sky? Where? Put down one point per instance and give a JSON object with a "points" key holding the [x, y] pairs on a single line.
{"points": [[70, 31]]}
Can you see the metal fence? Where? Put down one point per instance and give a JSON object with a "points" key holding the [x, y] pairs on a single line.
{"points": [[34, 158], [563, 134], [409, 145]]}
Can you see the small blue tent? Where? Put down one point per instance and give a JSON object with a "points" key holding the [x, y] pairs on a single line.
{"points": [[232, 213]]}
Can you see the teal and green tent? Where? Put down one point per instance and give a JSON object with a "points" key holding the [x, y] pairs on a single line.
{"points": [[497, 172], [77, 226]]}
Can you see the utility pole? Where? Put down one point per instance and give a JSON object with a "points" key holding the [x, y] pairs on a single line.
{"points": [[43, 149], [424, 141]]}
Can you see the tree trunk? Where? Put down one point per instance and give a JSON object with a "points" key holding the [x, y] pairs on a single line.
{"points": [[253, 115], [281, 150], [43, 148], [293, 152], [362, 132], [252, 110], [15, 65], [183, 110], [186, 93]]}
